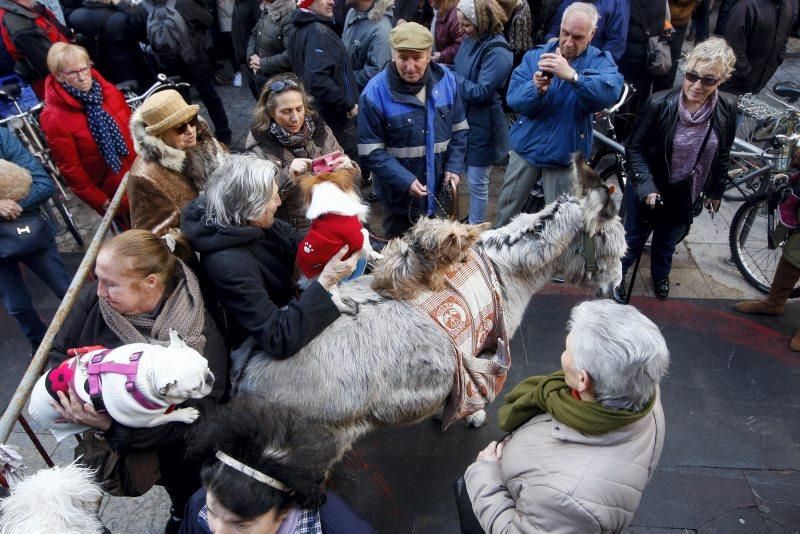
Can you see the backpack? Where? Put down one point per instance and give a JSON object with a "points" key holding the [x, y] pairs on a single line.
{"points": [[168, 34]]}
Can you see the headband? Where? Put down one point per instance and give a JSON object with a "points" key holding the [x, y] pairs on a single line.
{"points": [[252, 473]]}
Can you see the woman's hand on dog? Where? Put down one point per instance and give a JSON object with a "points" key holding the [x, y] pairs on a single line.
{"points": [[72, 410], [299, 166], [336, 269]]}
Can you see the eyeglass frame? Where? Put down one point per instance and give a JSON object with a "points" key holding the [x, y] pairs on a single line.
{"points": [[73, 74], [702, 79], [280, 86], [181, 128]]}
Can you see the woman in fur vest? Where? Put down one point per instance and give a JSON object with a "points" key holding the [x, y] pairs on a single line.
{"points": [[85, 121], [288, 133], [142, 291], [176, 151]]}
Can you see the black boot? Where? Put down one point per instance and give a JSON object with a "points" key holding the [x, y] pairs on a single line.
{"points": [[620, 294], [661, 287]]}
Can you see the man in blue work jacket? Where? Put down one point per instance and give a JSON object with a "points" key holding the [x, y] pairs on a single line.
{"points": [[412, 130]]}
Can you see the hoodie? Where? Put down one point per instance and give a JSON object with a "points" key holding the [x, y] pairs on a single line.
{"points": [[366, 37], [249, 271]]}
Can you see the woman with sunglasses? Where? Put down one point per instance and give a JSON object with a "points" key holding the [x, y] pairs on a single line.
{"points": [[85, 121], [176, 152], [679, 155], [288, 133]]}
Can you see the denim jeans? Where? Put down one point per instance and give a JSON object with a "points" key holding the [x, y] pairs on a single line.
{"points": [[478, 180], [17, 299], [665, 237]]}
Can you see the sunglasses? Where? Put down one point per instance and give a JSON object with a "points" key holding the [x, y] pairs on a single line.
{"points": [[281, 86], [708, 81], [180, 130]]}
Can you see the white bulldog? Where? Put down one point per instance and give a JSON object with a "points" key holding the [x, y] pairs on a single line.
{"points": [[164, 377]]}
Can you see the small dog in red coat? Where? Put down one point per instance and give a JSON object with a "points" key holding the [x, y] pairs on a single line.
{"points": [[337, 216]]}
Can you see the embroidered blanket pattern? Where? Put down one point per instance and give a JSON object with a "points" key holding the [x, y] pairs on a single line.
{"points": [[470, 312]]}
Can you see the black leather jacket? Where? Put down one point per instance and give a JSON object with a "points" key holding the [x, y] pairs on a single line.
{"points": [[649, 152]]}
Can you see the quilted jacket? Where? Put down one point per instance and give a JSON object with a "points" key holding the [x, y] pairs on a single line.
{"points": [[76, 154], [552, 478]]}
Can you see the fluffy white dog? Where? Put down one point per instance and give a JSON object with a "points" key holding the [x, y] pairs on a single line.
{"points": [[137, 384], [61, 499]]}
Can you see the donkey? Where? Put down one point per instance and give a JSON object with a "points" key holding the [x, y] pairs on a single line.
{"points": [[385, 363]]}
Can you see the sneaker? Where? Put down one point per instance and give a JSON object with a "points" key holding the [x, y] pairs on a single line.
{"points": [[662, 288], [237, 79]]}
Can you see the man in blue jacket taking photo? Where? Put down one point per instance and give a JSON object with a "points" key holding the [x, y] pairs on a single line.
{"points": [[556, 90]]}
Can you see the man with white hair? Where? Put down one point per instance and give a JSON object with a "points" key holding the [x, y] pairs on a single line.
{"points": [[612, 27], [585, 440], [412, 130], [556, 90]]}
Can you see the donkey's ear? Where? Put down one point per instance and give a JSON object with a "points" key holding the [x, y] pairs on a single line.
{"points": [[586, 178]]}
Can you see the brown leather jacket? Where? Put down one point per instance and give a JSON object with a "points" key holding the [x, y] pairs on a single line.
{"points": [[164, 179]]}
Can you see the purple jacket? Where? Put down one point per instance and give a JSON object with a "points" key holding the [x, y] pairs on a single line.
{"points": [[447, 35]]}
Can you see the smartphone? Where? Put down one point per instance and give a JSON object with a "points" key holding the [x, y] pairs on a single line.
{"points": [[325, 163], [547, 74]]}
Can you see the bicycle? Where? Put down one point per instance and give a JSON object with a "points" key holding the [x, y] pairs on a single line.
{"points": [[162, 82], [25, 125], [746, 167], [754, 247]]}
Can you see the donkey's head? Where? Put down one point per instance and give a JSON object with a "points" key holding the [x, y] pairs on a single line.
{"points": [[599, 247]]}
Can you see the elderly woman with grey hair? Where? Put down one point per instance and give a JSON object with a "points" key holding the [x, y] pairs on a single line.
{"points": [[584, 441], [247, 260], [679, 153]]}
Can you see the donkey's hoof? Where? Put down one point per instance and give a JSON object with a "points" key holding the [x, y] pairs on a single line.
{"points": [[477, 420]]}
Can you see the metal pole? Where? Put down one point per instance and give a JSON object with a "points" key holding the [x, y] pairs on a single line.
{"points": [[37, 364]]}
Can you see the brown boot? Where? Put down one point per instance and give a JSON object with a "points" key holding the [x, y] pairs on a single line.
{"points": [[794, 344], [786, 276]]}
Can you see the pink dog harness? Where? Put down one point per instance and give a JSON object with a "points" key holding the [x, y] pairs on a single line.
{"points": [[97, 367]]}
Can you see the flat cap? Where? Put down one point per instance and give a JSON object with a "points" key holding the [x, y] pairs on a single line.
{"points": [[411, 36]]}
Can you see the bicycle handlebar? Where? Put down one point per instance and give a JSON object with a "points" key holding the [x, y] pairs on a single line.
{"points": [[22, 115], [162, 82]]}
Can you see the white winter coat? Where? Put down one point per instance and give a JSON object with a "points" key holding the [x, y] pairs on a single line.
{"points": [[552, 478]]}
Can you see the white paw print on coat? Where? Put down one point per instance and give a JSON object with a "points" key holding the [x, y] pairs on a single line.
{"points": [[307, 248]]}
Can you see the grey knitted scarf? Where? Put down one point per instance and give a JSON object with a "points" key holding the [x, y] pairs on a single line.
{"points": [[183, 311]]}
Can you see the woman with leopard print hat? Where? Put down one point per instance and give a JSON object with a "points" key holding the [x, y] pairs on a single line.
{"points": [[176, 152]]}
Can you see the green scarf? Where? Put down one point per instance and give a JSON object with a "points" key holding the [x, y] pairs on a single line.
{"points": [[550, 393]]}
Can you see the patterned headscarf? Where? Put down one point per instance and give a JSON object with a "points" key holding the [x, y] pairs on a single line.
{"points": [[104, 129]]}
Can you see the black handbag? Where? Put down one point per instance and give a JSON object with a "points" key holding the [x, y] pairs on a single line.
{"points": [[466, 516], [27, 234]]}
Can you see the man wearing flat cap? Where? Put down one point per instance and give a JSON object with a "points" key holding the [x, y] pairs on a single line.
{"points": [[412, 130]]}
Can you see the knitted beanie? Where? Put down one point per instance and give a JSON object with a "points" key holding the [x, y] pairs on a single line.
{"points": [[467, 8], [165, 110]]}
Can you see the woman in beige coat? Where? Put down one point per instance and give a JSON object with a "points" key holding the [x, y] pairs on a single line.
{"points": [[288, 133], [584, 441], [175, 152]]}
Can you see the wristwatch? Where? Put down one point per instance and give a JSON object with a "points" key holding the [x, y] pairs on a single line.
{"points": [[575, 77]]}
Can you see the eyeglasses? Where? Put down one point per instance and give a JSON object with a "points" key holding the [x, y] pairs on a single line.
{"points": [[282, 85], [708, 81], [180, 130], [75, 74]]}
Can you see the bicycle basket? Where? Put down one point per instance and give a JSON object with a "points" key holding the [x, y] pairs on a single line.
{"points": [[756, 108], [26, 100]]}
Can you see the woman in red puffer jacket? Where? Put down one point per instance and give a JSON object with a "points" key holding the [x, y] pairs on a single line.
{"points": [[85, 121]]}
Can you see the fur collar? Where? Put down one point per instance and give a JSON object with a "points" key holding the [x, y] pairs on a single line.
{"points": [[328, 198], [196, 162]]}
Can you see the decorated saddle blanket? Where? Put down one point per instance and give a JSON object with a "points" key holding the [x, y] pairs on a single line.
{"points": [[470, 311]]}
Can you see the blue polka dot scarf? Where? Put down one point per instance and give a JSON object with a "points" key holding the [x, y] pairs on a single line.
{"points": [[104, 130]]}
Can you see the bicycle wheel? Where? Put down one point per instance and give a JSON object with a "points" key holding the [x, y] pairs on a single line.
{"points": [[749, 247], [66, 217]]}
